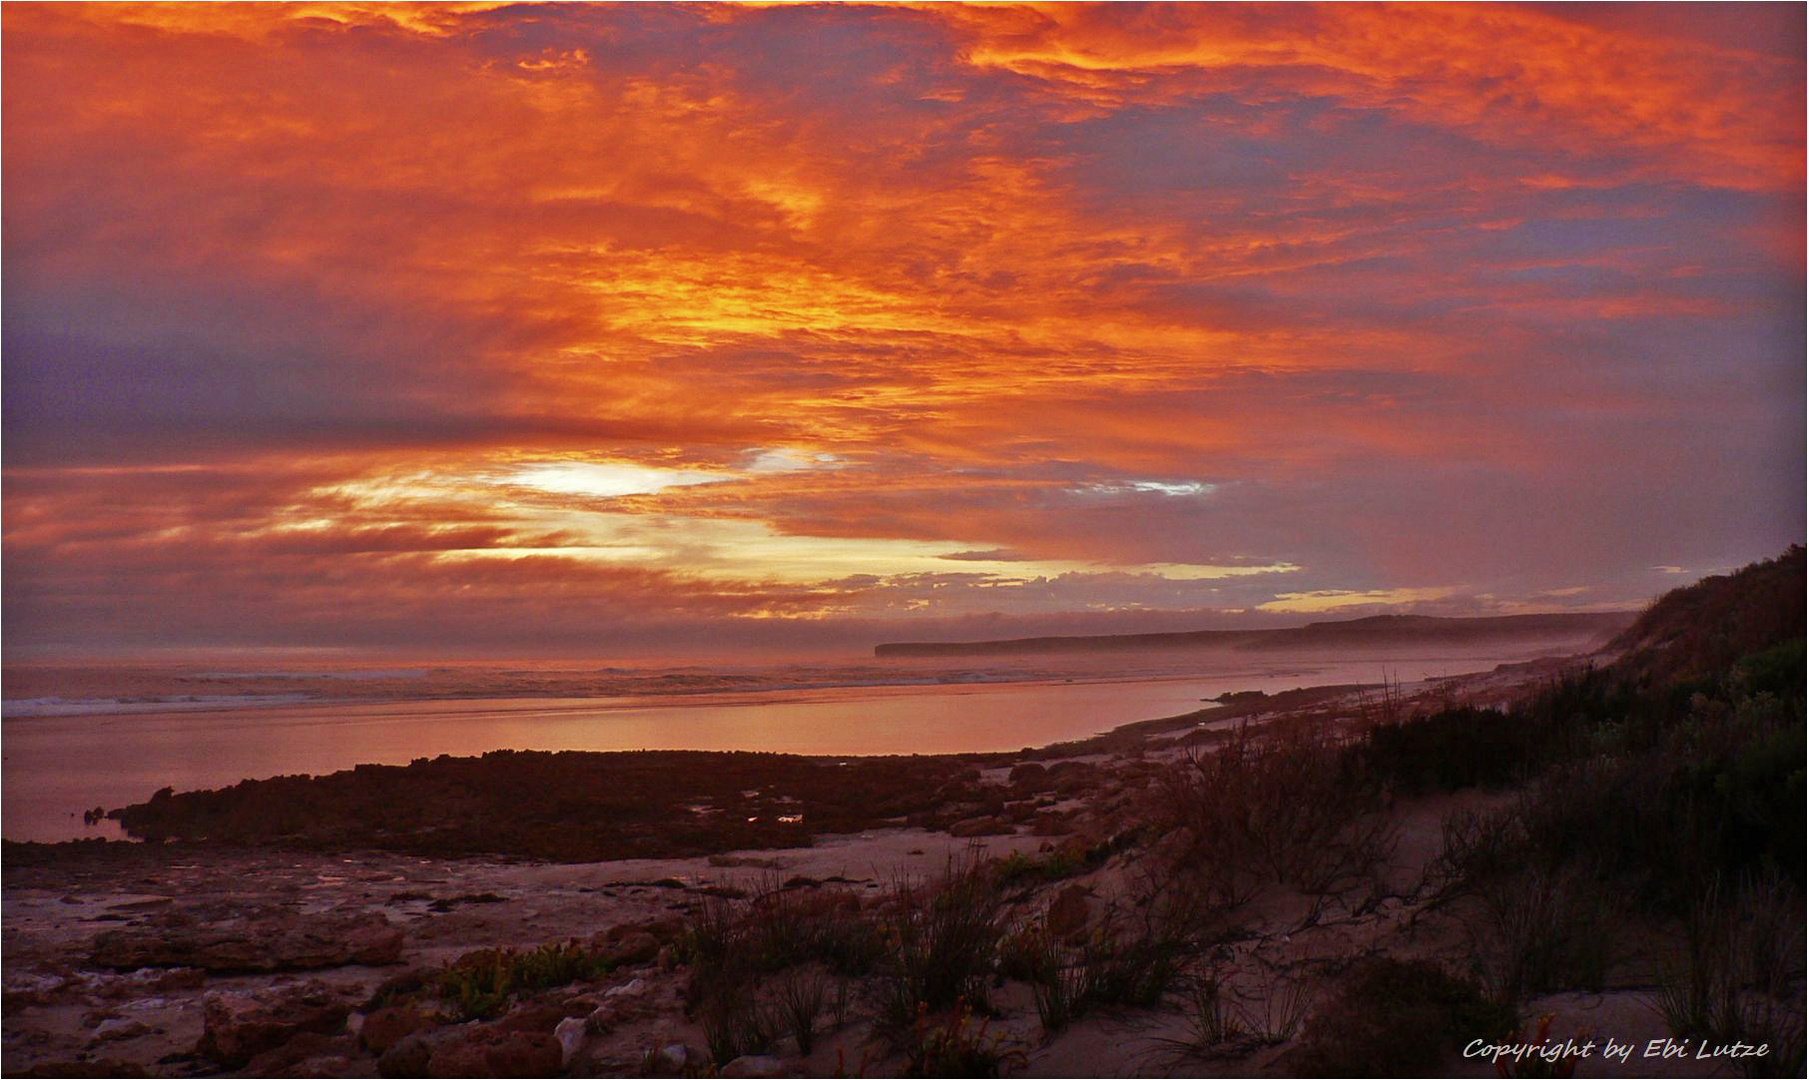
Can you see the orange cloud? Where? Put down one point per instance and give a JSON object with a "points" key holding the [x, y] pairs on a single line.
{"points": [[1010, 275]]}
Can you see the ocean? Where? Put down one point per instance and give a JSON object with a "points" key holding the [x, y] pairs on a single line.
{"points": [[80, 737]]}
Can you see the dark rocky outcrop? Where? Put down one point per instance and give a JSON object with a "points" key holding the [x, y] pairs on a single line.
{"points": [[254, 940], [238, 1027]]}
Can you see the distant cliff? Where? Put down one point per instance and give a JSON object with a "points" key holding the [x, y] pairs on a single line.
{"points": [[1373, 632]]}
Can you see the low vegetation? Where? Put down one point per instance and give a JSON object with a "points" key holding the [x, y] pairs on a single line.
{"points": [[1236, 816], [482, 984], [1393, 1018]]}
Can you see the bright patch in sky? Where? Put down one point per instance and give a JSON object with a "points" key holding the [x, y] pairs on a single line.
{"points": [[787, 459], [606, 479], [1332, 599], [1158, 487]]}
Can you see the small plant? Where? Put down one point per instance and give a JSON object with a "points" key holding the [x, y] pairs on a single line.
{"points": [[1133, 955], [1536, 1065], [1018, 868], [956, 1046], [1478, 847], [1546, 930], [735, 1024], [480, 984], [1212, 1019], [941, 941], [800, 1002], [1060, 995], [734, 941], [1237, 817], [1064, 862], [1277, 1016], [1398, 1018], [1735, 983]]}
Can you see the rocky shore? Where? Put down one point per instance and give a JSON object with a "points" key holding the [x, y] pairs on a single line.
{"points": [[1344, 881]]}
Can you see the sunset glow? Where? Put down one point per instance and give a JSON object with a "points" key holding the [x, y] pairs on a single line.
{"points": [[597, 330]]}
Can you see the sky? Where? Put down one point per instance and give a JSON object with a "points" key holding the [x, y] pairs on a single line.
{"points": [[666, 329]]}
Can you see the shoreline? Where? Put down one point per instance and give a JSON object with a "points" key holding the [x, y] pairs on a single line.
{"points": [[1165, 735], [124, 758]]}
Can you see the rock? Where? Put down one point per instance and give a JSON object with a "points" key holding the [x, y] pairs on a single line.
{"points": [[570, 1033], [408, 1056], [533, 1017], [121, 1028], [237, 1027], [483, 1052], [1030, 775], [749, 1065], [603, 1018], [142, 985], [632, 988], [308, 1054], [390, 1025], [673, 1058], [618, 1003], [23, 990], [1068, 912], [86, 1069], [664, 929], [261, 940], [637, 948], [980, 826]]}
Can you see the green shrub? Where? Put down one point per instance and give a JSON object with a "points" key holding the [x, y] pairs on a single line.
{"points": [[480, 984]]}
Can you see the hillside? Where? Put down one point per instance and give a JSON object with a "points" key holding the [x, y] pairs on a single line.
{"points": [[1703, 628]]}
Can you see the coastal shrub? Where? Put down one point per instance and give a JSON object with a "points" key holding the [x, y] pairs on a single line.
{"points": [[1449, 749], [775, 927], [1702, 629], [1544, 930], [1242, 815], [1212, 1019], [1278, 1015], [1066, 861], [801, 999], [735, 1023], [1476, 847], [941, 942], [1106, 969], [480, 984], [1132, 955], [1219, 1021], [1716, 795], [1739, 974], [955, 1045], [1392, 1018]]}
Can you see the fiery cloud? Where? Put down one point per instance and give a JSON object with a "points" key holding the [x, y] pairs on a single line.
{"points": [[381, 325]]}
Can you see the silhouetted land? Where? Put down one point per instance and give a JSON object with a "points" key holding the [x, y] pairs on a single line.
{"points": [[1374, 632]]}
